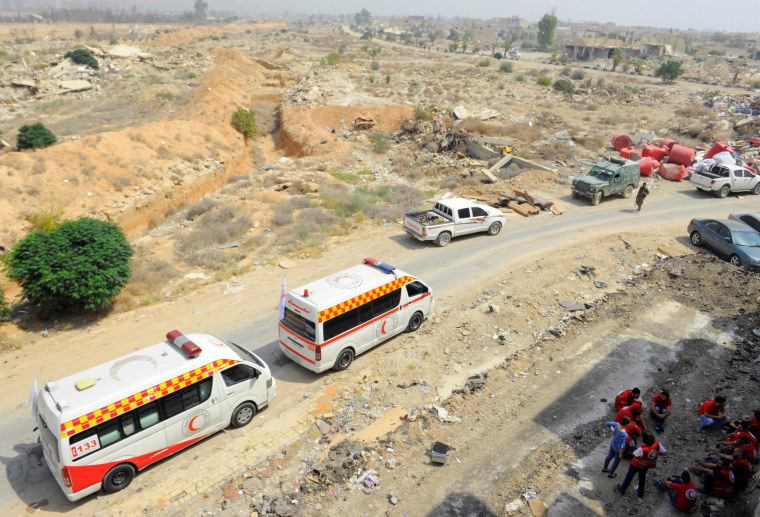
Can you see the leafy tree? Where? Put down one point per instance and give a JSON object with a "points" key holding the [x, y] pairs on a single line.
{"points": [[564, 86], [35, 136], [80, 264], [507, 45], [465, 42], [363, 17], [546, 26], [617, 57], [244, 122], [82, 56], [669, 71], [199, 8], [639, 65], [4, 307]]}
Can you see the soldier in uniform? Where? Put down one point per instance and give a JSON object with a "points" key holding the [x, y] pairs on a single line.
{"points": [[641, 194]]}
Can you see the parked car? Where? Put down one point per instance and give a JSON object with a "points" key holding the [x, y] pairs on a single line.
{"points": [[722, 179], [607, 177], [513, 53], [732, 240], [453, 217], [751, 220]]}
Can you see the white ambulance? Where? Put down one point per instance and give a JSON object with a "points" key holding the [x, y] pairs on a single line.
{"points": [[330, 321], [100, 426]]}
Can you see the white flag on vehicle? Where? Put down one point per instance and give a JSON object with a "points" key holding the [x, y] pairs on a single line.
{"points": [[282, 298], [33, 398]]}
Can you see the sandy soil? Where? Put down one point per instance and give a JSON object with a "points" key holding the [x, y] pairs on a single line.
{"points": [[171, 146]]}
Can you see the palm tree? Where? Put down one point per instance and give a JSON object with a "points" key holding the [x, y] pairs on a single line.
{"points": [[507, 46], [617, 57]]}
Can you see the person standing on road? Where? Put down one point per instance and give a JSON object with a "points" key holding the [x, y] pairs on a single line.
{"points": [[641, 195], [644, 458], [660, 410], [682, 491], [617, 446], [713, 413]]}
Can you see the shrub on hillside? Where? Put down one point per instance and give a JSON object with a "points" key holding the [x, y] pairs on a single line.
{"points": [[244, 122], [81, 264], [82, 56], [4, 307], [380, 142], [506, 67], [36, 136], [564, 86], [544, 81]]}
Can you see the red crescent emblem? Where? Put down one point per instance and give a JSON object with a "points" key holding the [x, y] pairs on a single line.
{"points": [[190, 424], [382, 329]]}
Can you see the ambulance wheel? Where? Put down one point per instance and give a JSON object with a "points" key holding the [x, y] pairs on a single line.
{"points": [[414, 322], [243, 414], [444, 238], [344, 360], [118, 478], [494, 229]]}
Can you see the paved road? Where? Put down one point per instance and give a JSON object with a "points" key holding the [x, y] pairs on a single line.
{"points": [[465, 263]]}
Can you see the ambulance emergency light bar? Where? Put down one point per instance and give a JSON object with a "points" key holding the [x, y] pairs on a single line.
{"points": [[180, 341], [382, 265]]}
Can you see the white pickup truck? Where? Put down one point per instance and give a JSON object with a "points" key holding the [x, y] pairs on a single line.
{"points": [[451, 218], [722, 179]]}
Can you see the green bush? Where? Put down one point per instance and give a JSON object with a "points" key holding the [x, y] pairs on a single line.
{"points": [[380, 142], [388, 78], [333, 58], [506, 67], [564, 86], [4, 307], [80, 264], [375, 65], [577, 75], [669, 71], [498, 55], [35, 136], [520, 78], [544, 81], [82, 56], [756, 85], [566, 71], [244, 122], [485, 63], [48, 219]]}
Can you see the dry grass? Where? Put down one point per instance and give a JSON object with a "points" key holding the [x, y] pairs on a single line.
{"points": [[523, 132], [696, 111], [199, 208], [198, 247], [486, 127]]}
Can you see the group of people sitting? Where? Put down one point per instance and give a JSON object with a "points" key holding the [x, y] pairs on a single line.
{"points": [[725, 470]]}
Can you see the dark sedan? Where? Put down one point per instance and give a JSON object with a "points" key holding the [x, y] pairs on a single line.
{"points": [[732, 240]]}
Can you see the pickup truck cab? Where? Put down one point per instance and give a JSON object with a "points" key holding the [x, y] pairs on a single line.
{"points": [[724, 178], [607, 177], [453, 217]]}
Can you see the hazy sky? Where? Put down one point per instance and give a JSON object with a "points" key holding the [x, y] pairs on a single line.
{"points": [[724, 15]]}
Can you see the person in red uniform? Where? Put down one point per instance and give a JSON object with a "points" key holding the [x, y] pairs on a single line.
{"points": [[739, 466], [682, 491], [626, 398], [644, 458], [713, 413], [718, 478], [634, 432], [660, 409], [633, 412]]}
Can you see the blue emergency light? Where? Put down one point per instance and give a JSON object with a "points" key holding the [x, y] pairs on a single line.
{"points": [[382, 265]]}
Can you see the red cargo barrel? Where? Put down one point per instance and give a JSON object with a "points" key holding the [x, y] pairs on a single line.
{"points": [[630, 154], [681, 155], [719, 147], [667, 144], [653, 152], [754, 141], [672, 172], [648, 165], [621, 140], [689, 173]]}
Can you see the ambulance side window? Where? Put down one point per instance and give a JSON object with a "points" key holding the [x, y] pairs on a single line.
{"points": [[238, 374], [415, 289], [148, 415]]}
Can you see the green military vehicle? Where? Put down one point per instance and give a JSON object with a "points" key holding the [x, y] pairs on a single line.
{"points": [[607, 177]]}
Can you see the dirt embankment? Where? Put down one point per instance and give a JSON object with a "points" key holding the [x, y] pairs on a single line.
{"points": [[129, 176], [307, 131], [192, 34]]}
